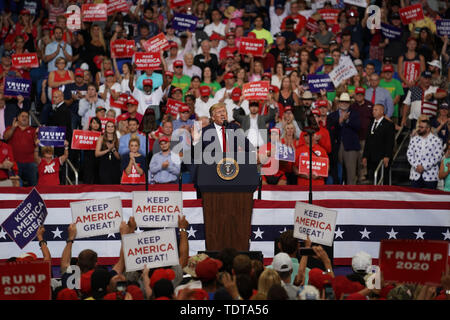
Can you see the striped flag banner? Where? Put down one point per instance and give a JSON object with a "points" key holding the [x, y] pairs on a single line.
{"points": [[366, 215]]}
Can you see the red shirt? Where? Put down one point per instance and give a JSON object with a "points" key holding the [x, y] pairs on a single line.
{"points": [[6, 153], [49, 172], [303, 150], [126, 115], [287, 166], [223, 53], [22, 143], [300, 22], [324, 141]]}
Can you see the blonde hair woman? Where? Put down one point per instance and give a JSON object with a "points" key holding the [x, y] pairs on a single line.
{"points": [[266, 280]]}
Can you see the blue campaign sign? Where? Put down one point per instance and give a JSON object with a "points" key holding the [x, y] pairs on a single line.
{"points": [[443, 27], [52, 136], [391, 32], [23, 223], [285, 153], [316, 82], [17, 87], [182, 22]]}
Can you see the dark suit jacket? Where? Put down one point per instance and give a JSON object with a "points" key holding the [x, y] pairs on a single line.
{"points": [[61, 117], [380, 144], [347, 132]]}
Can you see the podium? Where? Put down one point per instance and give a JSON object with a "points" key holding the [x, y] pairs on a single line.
{"points": [[227, 202]]}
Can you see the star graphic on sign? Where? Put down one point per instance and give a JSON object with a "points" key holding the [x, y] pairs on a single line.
{"points": [[338, 233], [57, 233], [3, 234], [365, 234], [446, 235], [191, 232], [284, 230], [392, 234], [258, 233], [138, 230], [111, 235], [419, 234]]}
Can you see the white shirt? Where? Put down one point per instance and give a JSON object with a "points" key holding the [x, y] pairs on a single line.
{"points": [[219, 94], [219, 134], [210, 28], [124, 85], [202, 108], [253, 133], [426, 152], [375, 125], [146, 100], [116, 87], [276, 20]]}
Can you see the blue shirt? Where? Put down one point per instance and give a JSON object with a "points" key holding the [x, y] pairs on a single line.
{"points": [[51, 48], [157, 79], [125, 139], [168, 175], [382, 96]]}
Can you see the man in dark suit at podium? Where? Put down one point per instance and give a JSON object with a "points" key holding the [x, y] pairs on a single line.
{"points": [[216, 133], [379, 143]]}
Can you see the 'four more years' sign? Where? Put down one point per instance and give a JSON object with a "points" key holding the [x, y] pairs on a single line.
{"points": [[316, 222], [97, 217], [25, 281], [418, 261], [155, 249], [157, 208], [23, 223]]}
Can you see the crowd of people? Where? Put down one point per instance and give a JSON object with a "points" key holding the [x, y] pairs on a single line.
{"points": [[79, 83], [227, 275]]}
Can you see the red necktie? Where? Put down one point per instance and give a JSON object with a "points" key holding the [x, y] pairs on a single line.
{"points": [[373, 96], [224, 140]]}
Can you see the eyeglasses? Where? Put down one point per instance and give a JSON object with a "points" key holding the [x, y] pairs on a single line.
{"points": [[178, 67]]}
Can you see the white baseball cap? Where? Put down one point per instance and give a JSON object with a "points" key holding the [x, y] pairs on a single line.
{"points": [[282, 262], [435, 63], [361, 261]]}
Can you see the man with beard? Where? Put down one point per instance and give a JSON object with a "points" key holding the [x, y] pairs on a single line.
{"points": [[424, 155]]}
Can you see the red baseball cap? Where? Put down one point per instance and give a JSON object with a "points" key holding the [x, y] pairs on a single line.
{"points": [[159, 274], [147, 82], [178, 63], [230, 34], [168, 74], [215, 36], [79, 72], [319, 51], [251, 35], [109, 73], [230, 55], [207, 269], [388, 68], [132, 100], [267, 74], [316, 111], [287, 108], [322, 103], [236, 94], [183, 109], [205, 91], [360, 90], [228, 75], [173, 44], [318, 278], [175, 89], [24, 11]]}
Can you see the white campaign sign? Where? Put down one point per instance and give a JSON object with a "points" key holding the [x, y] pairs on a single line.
{"points": [[344, 70], [155, 209], [97, 217], [359, 3], [316, 222], [155, 249]]}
